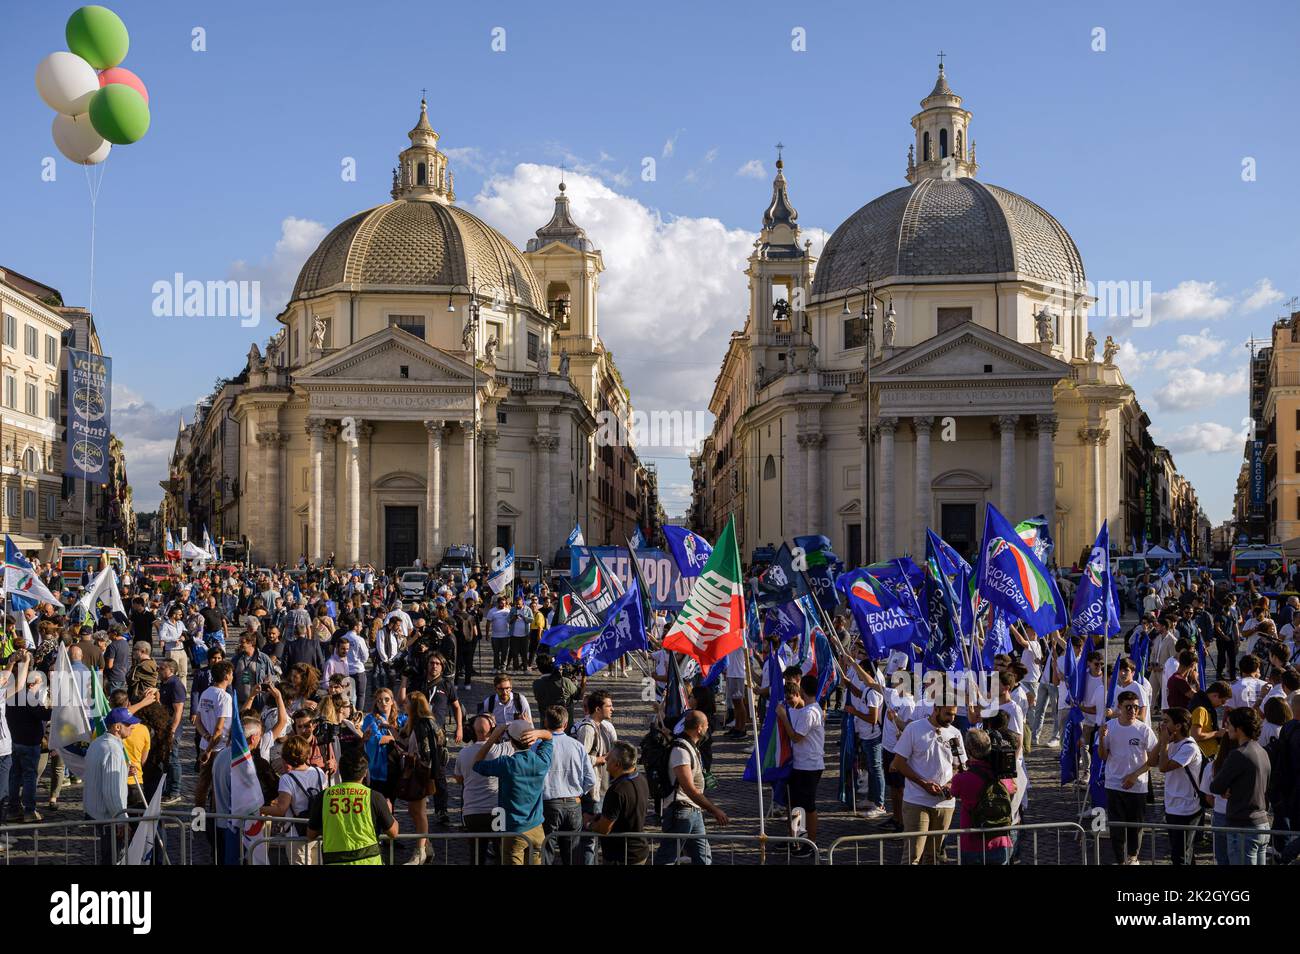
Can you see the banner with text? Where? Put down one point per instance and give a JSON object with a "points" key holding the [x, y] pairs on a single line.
{"points": [[90, 388], [668, 588]]}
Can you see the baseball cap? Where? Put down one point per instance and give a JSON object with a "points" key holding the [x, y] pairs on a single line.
{"points": [[517, 728], [120, 714]]}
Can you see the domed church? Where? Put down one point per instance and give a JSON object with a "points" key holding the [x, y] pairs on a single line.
{"points": [[937, 355], [433, 385]]}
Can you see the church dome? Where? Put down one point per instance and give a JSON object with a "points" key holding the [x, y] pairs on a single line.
{"points": [[413, 243], [957, 227]]}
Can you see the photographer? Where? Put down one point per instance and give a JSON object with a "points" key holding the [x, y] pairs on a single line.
{"points": [[555, 687], [978, 809], [252, 668]]}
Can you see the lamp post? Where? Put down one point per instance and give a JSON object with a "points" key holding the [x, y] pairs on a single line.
{"points": [[469, 338], [868, 316]]}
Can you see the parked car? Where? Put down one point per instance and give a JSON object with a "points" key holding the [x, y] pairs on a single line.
{"points": [[411, 584]]}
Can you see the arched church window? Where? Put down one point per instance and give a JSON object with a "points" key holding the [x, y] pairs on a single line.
{"points": [[769, 468], [943, 143], [29, 460], [419, 174], [925, 146]]}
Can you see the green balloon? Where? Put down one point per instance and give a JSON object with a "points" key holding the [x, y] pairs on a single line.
{"points": [[119, 114], [98, 36]]}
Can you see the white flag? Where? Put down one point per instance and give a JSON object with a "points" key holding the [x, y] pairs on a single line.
{"points": [[145, 839]]}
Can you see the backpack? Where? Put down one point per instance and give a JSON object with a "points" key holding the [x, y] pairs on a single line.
{"points": [[656, 749], [993, 807], [313, 795], [486, 704]]}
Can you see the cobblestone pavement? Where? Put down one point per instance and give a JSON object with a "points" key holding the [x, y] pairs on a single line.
{"points": [[1048, 801]]}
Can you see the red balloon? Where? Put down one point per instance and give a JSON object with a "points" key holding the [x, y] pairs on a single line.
{"points": [[118, 74]]}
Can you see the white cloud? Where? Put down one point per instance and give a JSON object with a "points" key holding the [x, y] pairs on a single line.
{"points": [[670, 145], [1130, 360], [711, 154], [148, 434], [467, 157], [1190, 301], [1193, 388], [675, 498], [1191, 350], [1203, 437], [1264, 294], [673, 291], [298, 239], [752, 170]]}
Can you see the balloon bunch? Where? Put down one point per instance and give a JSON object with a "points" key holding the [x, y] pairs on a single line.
{"points": [[95, 109]]}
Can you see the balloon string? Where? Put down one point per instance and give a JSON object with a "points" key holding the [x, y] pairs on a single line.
{"points": [[93, 188]]}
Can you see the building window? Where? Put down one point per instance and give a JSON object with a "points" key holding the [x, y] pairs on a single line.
{"points": [[51, 405], [855, 332], [29, 504], [411, 324], [51, 350], [51, 507], [29, 403], [29, 460], [11, 501], [533, 342], [31, 342], [11, 391], [11, 331], [1297, 462], [951, 317], [769, 468], [943, 143]]}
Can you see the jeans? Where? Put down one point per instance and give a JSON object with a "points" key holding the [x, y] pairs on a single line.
{"points": [[464, 660], [500, 650], [1220, 820], [172, 780], [1227, 653], [1043, 697], [6, 765], [869, 749], [683, 819], [561, 815], [519, 652], [587, 847], [1243, 849], [22, 776], [359, 688]]}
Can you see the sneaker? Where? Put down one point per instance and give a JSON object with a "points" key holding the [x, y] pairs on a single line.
{"points": [[874, 811], [32, 816], [1054, 744], [172, 800], [444, 819]]}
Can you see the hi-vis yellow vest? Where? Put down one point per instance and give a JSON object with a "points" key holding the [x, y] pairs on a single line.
{"points": [[348, 828]]}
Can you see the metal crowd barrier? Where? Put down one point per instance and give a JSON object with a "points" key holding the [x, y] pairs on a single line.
{"points": [[89, 841], [1206, 840], [896, 847]]}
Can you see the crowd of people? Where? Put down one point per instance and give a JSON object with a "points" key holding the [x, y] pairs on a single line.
{"points": [[359, 706]]}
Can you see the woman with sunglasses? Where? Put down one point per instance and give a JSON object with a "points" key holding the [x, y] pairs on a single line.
{"points": [[379, 730], [419, 741]]}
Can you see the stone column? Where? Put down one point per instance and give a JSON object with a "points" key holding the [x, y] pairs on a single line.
{"points": [[814, 496], [433, 493], [1007, 470], [365, 431], [316, 452], [329, 518], [271, 524], [544, 456], [470, 497], [354, 499], [885, 512], [1047, 424], [924, 504], [488, 530]]}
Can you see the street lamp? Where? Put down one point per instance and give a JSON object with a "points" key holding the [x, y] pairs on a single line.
{"points": [[868, 316], [469, 339]]}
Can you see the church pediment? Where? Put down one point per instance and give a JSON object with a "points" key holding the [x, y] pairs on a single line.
{"points": [[970, 351], [390, 355]]}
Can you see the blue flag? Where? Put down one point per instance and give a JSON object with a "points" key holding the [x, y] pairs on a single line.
{"points": [[779, 583], [1009, 576], [638, 538], [785, 621], [623, 632], [821, 572], [942, 584], [997, 639], [575, 537], [690, 551], [882, 619], [1095, 607]]}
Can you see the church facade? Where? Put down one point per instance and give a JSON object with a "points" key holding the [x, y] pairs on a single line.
{"points": [[936, 359], [431, 385]]}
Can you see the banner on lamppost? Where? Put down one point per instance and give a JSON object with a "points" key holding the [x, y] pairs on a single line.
{"points": [[1257, 476], [90, 387]]}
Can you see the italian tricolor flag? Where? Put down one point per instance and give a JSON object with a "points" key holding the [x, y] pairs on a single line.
{"points": [[712, 622]]}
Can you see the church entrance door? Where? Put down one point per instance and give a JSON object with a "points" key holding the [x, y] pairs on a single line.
{"points": [[401, 536]]}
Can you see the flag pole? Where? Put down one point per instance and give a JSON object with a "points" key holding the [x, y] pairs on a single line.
{"points": [[753, 724]]}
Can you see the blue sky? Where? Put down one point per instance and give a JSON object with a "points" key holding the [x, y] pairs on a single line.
{"points": [[1138, 151]]}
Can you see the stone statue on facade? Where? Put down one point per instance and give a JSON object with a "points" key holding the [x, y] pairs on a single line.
{"points": [[543, 357], [274, 346], [1043, 321], [1108, 352], [254, 357], [888, 332], [564, 363], [759, 372], [789, 361], [319, 327], [467, 337], [812, 357], [490, 350], [1090, 348]]}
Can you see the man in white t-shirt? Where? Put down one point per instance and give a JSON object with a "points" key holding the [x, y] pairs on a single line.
{"points": [[1179, 757], [1094, 708], [1248, 691], [927, 755], [214, 711], [900, 708], [805, 724], [1126, 744], [1126, 679], [866, 704], [479, 792]]}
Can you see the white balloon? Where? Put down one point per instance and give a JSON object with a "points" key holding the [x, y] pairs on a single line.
{"points": [[77, 139], [66, 82]]}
